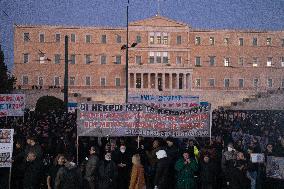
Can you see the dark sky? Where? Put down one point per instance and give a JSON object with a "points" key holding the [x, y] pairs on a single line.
{"points": [[204, 14]]}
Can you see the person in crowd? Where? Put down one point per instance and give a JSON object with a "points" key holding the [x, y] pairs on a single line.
{"points": [[32, 146], [172, 153], [18, 158], [123, 162], [239, 175], [32, 168], [228, 161], [162, 170], [91, 167], [207, 172], [191, 148], [58, 163], [137, 180], [69, 176], [185, 168], [107, 173], [251, 169], [269, 151]]}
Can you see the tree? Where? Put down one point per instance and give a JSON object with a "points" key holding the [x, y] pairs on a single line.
{"points": [[7, 81], [49, 103]]}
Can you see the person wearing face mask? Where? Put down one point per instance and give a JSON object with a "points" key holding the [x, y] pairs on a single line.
{"points": [[228, 161], [123, 162], [162, 170], [107, 173]]}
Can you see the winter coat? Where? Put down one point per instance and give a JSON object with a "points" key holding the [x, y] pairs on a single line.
{"points": [[91, 169], [68, 177], [107, 175], [185, 174], [207, 172], [137, 180], [32, 174], [240, 180], [162, 173]]}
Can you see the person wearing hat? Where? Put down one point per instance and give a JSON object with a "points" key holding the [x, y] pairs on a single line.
{"points": [[185, 167], [162, 170]]}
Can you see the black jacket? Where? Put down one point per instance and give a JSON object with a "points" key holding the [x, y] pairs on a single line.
{"points": [[207, 172], [107, 175], [162, 172], [32, 174]]}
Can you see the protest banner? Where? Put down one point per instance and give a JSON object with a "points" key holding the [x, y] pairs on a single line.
{"points": [[12, 105], [6, 147], [257, 157], [170, 101], [142, 120], [275, 167]]}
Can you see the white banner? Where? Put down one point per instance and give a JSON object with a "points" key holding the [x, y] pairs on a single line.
{"points": [[12, 105], [6, 147]]}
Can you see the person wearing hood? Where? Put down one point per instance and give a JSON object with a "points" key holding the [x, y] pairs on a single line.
{"points": [[185, 167], [68, 176], [107, 173], [91, 167], [162, 170], [123, 162]]}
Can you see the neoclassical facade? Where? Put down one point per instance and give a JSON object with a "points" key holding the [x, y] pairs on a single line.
{"points": [[170, 58]]}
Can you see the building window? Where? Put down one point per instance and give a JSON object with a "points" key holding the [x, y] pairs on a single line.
{"points": [[138, 82], [254, 61], [72, 81], [255, 82], [159, 38], [25, 80], [56, 81], [73, 59], [57, 37], [282, 41], [73, 38], [118, 39], [138, 39], [40, 81], [197, 40], [41, 58], [88, 81], [227, 62], [226, 40], [254, 41], [26, 58], [138, 59], [270, 83], [197, 61], [118, 59], [103, 39], [212, 60], [87, 59], [103, 59], [165, 39], [178, 60], [241, 83], [241, 61], [41, 38], [178, 39], [151, 58], [211, 82], [117, 82], [26, 37], [152, 38], [198, 82], [103, 81], [226, 83], [269, 62], [158, 57], [57, 58], [88, 38], [268, 41], [165, 58], [212, 41], [282, 61], [241, 41]]}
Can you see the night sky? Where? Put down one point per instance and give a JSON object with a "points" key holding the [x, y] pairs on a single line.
{"points": [[203, 14]]}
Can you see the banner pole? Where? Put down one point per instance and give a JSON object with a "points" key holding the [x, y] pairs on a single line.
{"points": [[10, 176], [138, 142], [77, 150]]}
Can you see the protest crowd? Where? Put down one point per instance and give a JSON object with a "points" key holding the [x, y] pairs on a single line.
{"points": [[45, 155]]}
